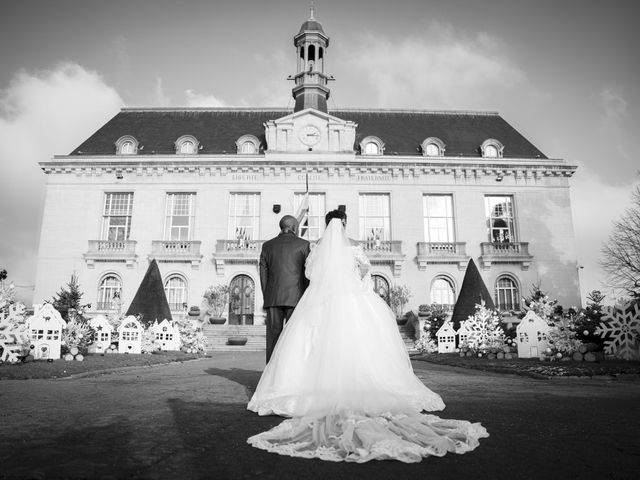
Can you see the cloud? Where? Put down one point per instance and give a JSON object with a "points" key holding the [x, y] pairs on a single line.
{"points": [[160, 98], [440, 67], [596, 205], [195, 99], [42, 114], [613, 103]]}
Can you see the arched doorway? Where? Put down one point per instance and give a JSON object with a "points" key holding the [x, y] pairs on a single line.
{"points": [[241, 300], [381, 287]]}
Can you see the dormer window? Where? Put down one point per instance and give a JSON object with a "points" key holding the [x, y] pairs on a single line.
{"points": [[248, 145], [433, 147], [491, 148], [187, 145], [371, 146], [127, 145]]}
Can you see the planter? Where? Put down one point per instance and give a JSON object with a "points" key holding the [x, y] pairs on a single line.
{"points": [[217, 320], [401, 320], [194, 312], [236, 340]]}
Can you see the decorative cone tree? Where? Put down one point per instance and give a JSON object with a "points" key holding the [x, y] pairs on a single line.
{"points": [[473, 292], [150, 300]]}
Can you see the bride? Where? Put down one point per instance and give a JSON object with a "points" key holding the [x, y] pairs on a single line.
{"points": [[341, 371]]}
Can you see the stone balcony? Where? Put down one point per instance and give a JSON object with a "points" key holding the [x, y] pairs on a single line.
{"points": [[111, 251], [187, 251], [505, 252], [236, 251], [442, 252], [385, 252]]}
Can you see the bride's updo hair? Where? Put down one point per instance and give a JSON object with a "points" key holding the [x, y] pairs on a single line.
{"points": [[335, 214]]}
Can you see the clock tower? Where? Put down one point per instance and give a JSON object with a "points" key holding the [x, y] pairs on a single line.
{"points": [[310, 90]]}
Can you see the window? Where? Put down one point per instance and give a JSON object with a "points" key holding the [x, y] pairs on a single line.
{"points": [[179, 217], [314, 220], [187, 145], [248, 145], [442, 292], [433, 147], [507, 295], [116, 217], [109, 293], [371, 146], [127, 145], [371, 149], [438, 218], [375, 223], [381, 287], [175, 288], [500, 218], [491, 148], [244, 216]]}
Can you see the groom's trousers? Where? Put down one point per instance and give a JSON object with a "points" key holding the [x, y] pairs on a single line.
{"points": [[276, 318]]}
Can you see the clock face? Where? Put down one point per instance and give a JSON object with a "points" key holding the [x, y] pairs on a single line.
{"points": [[310, 135]]}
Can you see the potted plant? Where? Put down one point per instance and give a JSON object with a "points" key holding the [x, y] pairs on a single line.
{"points": [[216, 300], [398, 297], [194, 311], [235, 338]]}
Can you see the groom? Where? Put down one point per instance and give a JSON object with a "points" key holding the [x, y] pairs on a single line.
{"points": [[282, 277]]}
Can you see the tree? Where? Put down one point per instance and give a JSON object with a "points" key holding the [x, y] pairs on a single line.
{"points": [[68, 299], [150, 301], [621, 251], [473, 292]]}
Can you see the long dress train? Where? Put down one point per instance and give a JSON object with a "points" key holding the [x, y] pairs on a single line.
{"points": [[341, 371]]}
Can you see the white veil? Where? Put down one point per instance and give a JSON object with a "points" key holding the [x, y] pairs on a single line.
{"points": [[331, 267]]}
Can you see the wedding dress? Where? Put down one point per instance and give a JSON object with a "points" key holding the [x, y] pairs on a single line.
{"points": [[341, 371]]}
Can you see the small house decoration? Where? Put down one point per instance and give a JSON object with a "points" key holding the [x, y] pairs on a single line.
{"points": [[532, 335], [463, 333], [130, 335], [45, 332], [446, 338], [103, 330], [166, 335]]}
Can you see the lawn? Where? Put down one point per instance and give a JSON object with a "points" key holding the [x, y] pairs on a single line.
{"points": [[91, 363], [536, 368]]}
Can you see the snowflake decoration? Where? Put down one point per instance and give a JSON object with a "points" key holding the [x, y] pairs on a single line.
{"points": [[620, 330], [14, 334], [484, 331]]}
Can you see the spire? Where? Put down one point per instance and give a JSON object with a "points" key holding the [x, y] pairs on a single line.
{"points": [[310, 90]]}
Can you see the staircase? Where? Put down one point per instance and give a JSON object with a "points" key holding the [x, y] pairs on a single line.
{"points": [[217, 336]]}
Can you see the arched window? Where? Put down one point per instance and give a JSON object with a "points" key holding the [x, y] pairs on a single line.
{"points": [[248, 147], [507, 293], [127, 145], [433, 147], [175, 288], [371, 149], [381, 287], [371, 145], [491, 148], [109, 292], [187, 147], [443, 292]]}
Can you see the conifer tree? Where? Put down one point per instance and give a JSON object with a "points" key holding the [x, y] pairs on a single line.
{"points": [[69, 299]]}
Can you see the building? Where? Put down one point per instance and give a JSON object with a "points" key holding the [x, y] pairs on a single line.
{"points": [[200, 189]]}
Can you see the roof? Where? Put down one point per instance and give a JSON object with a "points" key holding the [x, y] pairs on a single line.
{"points": [[217, 130], [311, 25]]}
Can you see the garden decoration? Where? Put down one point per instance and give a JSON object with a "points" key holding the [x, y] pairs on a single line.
{"points": [[14, 334], [472, 292], [463, 333], [485, 333], [45, 332], [73, 354], [532, 336], [446, 338], [150, 301], [620, 330], [167, 336], [192, 339], [104, 330], [130, 333]]}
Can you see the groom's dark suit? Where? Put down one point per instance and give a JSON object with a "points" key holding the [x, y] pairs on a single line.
{"points": [[282, 281]]}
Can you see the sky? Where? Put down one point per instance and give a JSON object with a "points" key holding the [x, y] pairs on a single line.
{"points": [[565, 73]]}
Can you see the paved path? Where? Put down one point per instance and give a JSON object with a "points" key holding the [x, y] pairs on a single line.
{"points": [[188, 420]]}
